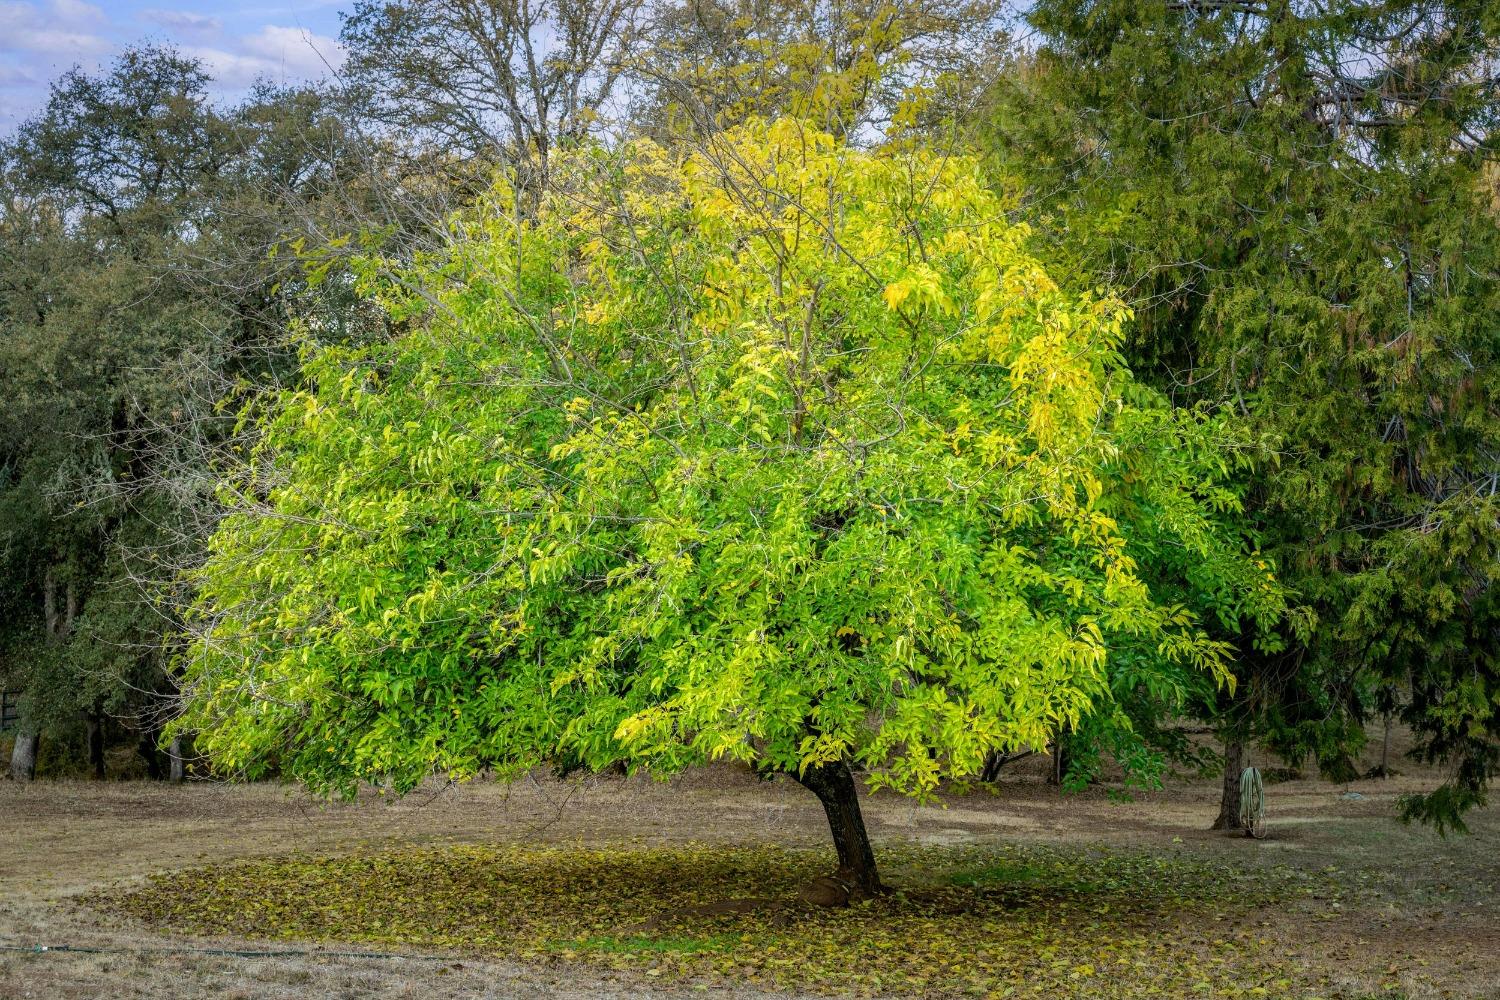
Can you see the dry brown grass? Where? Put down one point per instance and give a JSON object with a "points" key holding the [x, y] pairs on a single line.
{"points": [[1418, 919]]}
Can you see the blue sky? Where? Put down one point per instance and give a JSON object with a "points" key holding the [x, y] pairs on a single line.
{"points": [[284, 40]]}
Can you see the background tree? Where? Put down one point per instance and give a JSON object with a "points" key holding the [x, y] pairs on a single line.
{"points": [[776, 451], [138, 289], [506, 81], [100, 179], [851, 67], [1290, 196]]}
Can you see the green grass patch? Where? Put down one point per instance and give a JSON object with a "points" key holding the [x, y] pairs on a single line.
{"points": [[635, 944], [1004, 872], [1011, 922]]}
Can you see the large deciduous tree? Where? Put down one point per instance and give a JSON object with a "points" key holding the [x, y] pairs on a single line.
{"points": [[1291, 196], [775, 451]]}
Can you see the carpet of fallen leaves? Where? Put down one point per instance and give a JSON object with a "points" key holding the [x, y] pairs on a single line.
{"points": [[993, 922]]}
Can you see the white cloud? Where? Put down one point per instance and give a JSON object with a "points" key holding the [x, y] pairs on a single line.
{"points": [[275, 53], [280, 10], [40, 39], [182, 20], [18, 76], [18, 90], [302, 52], [62, 30], [78, 12]]}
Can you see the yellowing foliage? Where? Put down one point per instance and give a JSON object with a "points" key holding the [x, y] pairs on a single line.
{"points": [[775, 449]]}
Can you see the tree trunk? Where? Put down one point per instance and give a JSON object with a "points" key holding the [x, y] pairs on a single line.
{"points": [[178, 769], [49, 603], [23, 757], [1339, 769], [1385, 749], [1059, 762], [1229, 805], [96, 744], [834, 786], [995, 761], [150, 753], [59, 623]]}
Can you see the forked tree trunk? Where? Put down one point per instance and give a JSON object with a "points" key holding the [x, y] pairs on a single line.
{"points": [[995, 761], [834, 786], [23, 757], [1229, 805]]}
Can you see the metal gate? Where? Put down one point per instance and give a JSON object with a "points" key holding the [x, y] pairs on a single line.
{"points": [[10, 709]]}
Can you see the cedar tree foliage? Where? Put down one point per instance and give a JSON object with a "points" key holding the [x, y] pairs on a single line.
{"points": [[1296, 198]]}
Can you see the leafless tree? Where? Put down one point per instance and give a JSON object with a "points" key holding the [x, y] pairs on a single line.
{"points": [[504, 80]]}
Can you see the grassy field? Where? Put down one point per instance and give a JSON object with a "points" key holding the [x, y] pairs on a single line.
{"points": [[628, 887]]}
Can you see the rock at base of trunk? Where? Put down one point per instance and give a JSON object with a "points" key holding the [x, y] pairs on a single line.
{"points": [[825, 891]]}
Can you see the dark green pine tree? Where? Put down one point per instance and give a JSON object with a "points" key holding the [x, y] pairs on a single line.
{"points": [[1298, 199]]}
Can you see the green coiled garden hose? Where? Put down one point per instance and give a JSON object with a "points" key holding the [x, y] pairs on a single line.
{"points": [[1252, 803]]}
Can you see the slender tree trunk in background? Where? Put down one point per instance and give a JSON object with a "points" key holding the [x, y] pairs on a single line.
{"points": [[177, 770], [58, 622], [23, 757], [1059, 762], [49, 602], [95, 727], [1385, 749], [150, 754], [1229, 805], [834, 786], [23, 754]]}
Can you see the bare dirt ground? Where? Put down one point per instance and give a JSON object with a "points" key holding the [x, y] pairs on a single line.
{"points": [[1418, 919]]}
